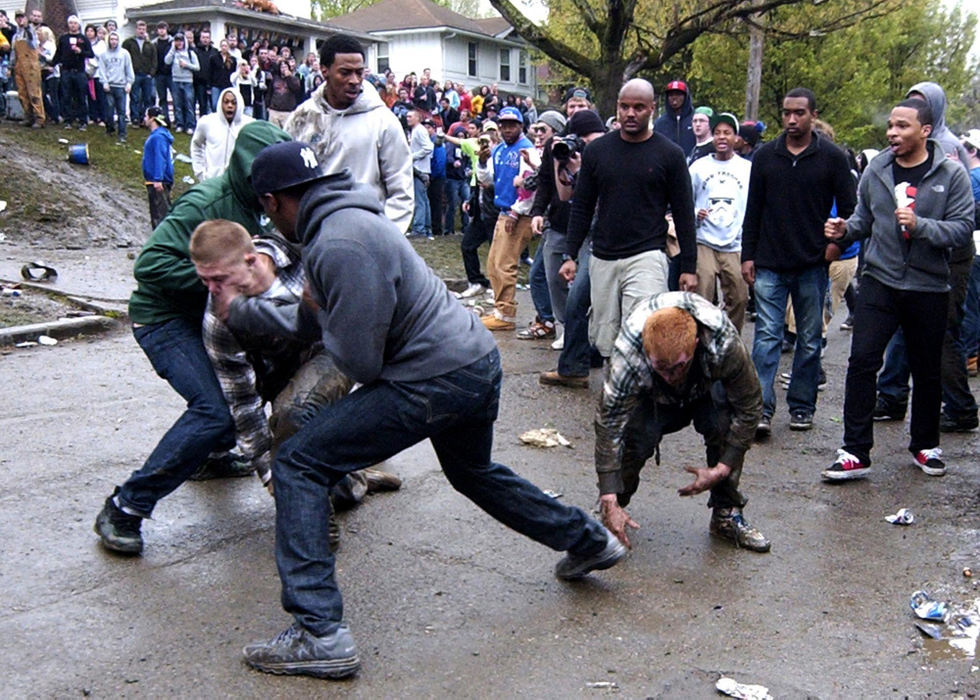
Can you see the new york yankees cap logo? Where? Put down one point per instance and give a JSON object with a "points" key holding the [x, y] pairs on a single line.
{"points": [[284, 165]]}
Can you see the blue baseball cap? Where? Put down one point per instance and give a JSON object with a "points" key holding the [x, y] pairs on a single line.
{"points": [[510, 114]]}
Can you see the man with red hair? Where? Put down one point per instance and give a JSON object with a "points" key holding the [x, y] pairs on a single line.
{"points": [[678, 360]]}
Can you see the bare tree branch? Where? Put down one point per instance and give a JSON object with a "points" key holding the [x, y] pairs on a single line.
{"points": [[543, 40]]}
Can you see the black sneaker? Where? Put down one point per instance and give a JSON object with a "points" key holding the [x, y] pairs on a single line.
{"points": [[230, 465], [848, 324], [845, 468], [801, 419], [764, 428], [930, 461], [120, 531], [573, 566], [297, 652], [966, 424], [886, 410], [822, 380]]}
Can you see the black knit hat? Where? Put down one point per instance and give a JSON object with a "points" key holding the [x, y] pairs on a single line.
{"points": [[583, 122]]}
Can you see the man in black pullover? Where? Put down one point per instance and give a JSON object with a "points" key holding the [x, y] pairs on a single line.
{"points": [[795, 182], [73, 49], [634, 175]]}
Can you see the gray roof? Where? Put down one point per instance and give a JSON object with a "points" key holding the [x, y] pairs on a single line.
{"points": [[394, 15]]}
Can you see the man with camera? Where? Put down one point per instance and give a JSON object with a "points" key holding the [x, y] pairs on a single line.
{"points": [[634, 175], [512, 231], [559, 165]]}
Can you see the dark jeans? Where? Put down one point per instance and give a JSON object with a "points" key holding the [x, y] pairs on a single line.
{"points": [[650, 421], [479, 231], [457, 192], [893, 382], [52, 99], [97, 107], [115, 107], [575, 359], [538, 281], [159, 201], [202, 96], [163, 83], [456, 411], [970, 328], [74, 96], [176, 351], [437, 203], [880, 311], [141, 97]]}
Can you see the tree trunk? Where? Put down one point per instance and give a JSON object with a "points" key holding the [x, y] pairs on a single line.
{"points": [[753, 81], [56, 13]]}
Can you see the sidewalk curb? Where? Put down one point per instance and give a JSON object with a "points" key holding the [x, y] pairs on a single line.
{"points": [[62, 328]]}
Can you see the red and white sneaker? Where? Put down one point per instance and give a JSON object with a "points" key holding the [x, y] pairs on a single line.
{"points": [[845, 467], [930, 461]]}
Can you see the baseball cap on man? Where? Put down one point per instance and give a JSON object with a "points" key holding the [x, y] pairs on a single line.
{"points": [[725, 118], [489, 126], [578, 92], [511, 114], [972, 137], [283, 165], [705, 110], [678, 85]]}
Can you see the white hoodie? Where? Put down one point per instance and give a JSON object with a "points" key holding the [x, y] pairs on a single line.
{"points": [[214, 139], [365, 138]]}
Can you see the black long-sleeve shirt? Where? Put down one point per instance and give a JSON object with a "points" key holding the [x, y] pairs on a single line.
{"points": [[546, 199], [634, 184], [790, 198], [70, 60]]}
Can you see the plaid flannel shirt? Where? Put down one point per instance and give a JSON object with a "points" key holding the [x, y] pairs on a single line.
{"points": [[723, 357], [235, 372]]}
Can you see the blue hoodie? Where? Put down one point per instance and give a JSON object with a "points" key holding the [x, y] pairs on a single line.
{"points": [[158, 166]]}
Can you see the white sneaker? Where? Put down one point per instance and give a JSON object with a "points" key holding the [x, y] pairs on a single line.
{"points": [[471, 291], [559, 343]]}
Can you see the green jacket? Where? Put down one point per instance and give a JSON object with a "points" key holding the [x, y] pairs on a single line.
{"points": [[167, 286]]}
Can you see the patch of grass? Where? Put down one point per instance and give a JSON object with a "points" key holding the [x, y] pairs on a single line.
{"points": [[446, 260]]}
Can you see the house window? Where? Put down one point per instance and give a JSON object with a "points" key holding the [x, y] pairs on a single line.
{"points": [[383, 63], [505, 65], [522, 68], [471, 49]]}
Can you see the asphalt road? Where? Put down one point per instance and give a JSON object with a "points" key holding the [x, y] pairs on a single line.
{"points": [[442, 600]]}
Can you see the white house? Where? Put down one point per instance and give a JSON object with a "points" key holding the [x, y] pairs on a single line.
{"points": [[291, 27], [412, 35]]}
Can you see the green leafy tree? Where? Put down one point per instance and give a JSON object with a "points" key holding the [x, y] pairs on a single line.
{"points": [[858, 73], [610, 41]]}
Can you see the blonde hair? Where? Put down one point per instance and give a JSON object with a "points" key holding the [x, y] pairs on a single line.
{"points": [[669, 332], [218, 240]]}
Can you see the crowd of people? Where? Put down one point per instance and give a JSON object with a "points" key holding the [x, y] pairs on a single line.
{"points": [[662, 238]]}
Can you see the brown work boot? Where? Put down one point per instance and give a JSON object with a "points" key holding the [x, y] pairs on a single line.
{"points": [[553, 378], [493, 323], [377, 480]]}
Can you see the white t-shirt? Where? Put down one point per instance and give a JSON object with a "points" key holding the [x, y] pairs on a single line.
{"points": [[721, 187]]}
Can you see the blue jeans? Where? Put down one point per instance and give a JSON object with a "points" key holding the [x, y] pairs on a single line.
{"points": [[176, 351], [576, 355], [116, 102], [807, 289], [457, 192], [970, 327], [422, 217], [52, 99], [184, 106], [456, 411], [141, 97], [539, 286], [163, 83]]}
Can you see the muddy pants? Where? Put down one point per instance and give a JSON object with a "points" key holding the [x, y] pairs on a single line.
{"points": [[27, 76], [651, 421]]}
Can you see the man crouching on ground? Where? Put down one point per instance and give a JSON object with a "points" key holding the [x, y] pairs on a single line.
{"points": [[414, 355], [678, 360]]}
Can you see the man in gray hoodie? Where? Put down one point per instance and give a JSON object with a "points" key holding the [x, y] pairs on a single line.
{"points": [[914, 204], [428, 369], [115, 71], [959, 412]]}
